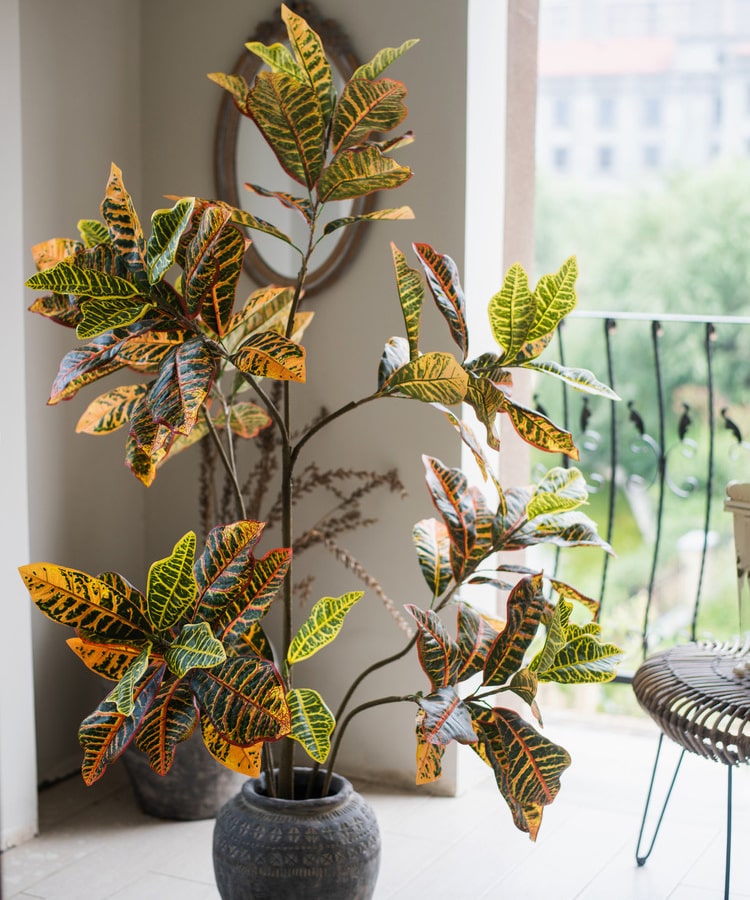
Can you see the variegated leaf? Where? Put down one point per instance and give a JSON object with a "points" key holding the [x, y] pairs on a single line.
{"points": [[146, 350], [449, 489], [246, 420], [527, 766], [475, 636], [195, 647], [411, 295], [67, 278], [124, 227], [278, 57], [239, 617], [100, 316], [60, 308], [312, 722], [302, 205], [106, 733], [382, 60], [359, 172], [108, 660], [512, 311], [446, 718], [236, 85], [365, 107], [395, 356], [432, 378], [580, 379], [311, 58], [85, 603], [321, 626], [469, 439], [254, 642], [439, 655], [122, 694], [524, 684], [224, 568], [167, 227], [538, 431], [244, 699], [141, 463], [248, 220], [263, 308], [486, 399], [570, 529], [93, 232], [443, 279], [429, 756], [111, 410], [271, 355], [289, 116], [559, 490], [171, 589], [524, 609], [245, 760], [397, 214], [171, 719], [555, 297], [432, 543], [570, 593], [176, 396], [48, 253], [483, 531]]}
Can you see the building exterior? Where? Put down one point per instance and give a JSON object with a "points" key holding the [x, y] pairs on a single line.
{"points": [[633, 89]]}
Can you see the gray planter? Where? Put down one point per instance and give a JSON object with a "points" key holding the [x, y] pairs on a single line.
{"points": [[319, 849], [196, 787]]}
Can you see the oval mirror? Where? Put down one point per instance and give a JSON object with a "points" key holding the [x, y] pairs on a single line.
{"points": [[241, 154]]}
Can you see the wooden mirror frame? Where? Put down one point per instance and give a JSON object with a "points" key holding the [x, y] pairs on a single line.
{"points": [[346, 242]]}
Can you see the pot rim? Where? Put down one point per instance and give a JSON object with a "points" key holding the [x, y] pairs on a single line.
{"points": [[253, 793]]}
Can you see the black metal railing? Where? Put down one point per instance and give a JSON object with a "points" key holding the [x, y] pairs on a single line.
{"points": [[657, 463]]}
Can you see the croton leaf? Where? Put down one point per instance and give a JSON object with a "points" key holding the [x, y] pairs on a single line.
{"points": [[100, 316], [236, 85], [60, 308], [111, 410], [580, 379], [486, 399], [246, 420], [106, 732], [321, 626], [176, 396], [396, 214], [254, 642], [124, 227], [68, 278], [310, 57], [312, 722], [432, 543], [512, 311], [365, 107], [358, 172], [263, 307], [48, 253], [558, 491], [475, 636], [395, 356], [380, 62], [483, 533], [411, 295], [239, 617], [271, 355], [223, 570], [195, 647], [167, 227], [538, 431], [83, 602], [278, 57], [432, 378], [108, 660], [245, 760], [439, 655], [244, 699], [469, 439], [524, 609], [555, 297], [93, 232], [527, 766], [248, 220], [449, 489], [290, 118], [171, 589], [569, 529], [171, 719], [142, 463], [443, 279], [429, 756], [122, 694], [302, 205], [146, 350], [446, 718]]}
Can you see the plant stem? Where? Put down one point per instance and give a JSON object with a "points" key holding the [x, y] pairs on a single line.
{"points": [[228, 460], [322, 423], [342, 728]]}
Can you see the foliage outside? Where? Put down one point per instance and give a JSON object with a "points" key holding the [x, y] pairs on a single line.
{"points": [[190, 651]]}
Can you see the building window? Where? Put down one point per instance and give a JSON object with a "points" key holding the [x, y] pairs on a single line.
{"points": [[605, 158], [560, 158], [718, 109], [651, 112], [561, 112], [651, 156], [605, 112]]}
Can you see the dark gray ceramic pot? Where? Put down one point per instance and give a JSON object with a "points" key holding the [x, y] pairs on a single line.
{"points": [[319, 849], [196, 787]]}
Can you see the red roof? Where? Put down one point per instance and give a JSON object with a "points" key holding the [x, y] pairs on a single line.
{"points": [[621, 56]]}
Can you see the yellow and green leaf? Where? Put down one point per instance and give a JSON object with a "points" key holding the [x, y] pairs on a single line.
{"points": [[449, 489], [124, 227], [558, 491], [122, 694], [267, 354], [311, 58], [382, 60], [195, 647], [444, 283], [434, 377], [93, 232], [171, 589], [512, 312], [312, 722], [432, 544], [524, 609], [322, 626], [393, 215], [171, 719], [580, 379], [108, 660], [167, 227], [365, 107], [359, 172], [111, 410], [429, 756], [538, 431], [245, 760], [446, 718], [411, 296], [225, 566], [239, 617], [555, 297]]}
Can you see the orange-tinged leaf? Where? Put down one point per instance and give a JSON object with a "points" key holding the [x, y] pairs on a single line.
{"points": [[245, 760], [271, 355], [48, 253], [359, 172], [107, 660], [538, 431], [171, 719], [365, 107], [525, 606], [111, 410], [429, 756]]}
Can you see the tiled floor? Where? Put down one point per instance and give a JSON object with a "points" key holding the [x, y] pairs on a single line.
{"points": [[95, 844]]}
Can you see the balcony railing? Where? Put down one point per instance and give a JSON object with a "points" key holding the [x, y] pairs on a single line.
{"points": [[657, 464]]}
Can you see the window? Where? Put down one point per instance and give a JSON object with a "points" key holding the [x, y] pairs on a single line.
{"points": [[652, 112], [605, 158], [651, 156], [560, 112], [605, 112], [560, 158], [718, 109]]}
